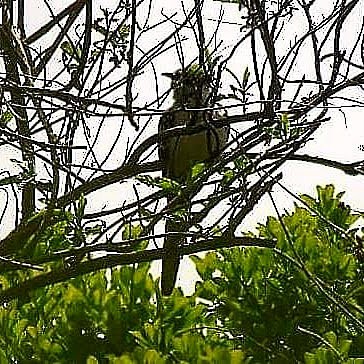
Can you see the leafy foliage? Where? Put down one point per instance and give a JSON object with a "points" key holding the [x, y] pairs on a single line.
{"points": [[264, 297], [252, 305]]}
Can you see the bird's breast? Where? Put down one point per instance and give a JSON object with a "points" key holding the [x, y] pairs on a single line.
{"points": [[187, 150]]}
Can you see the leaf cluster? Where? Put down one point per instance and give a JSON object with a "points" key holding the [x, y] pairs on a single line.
{"points": [[251, 305]]}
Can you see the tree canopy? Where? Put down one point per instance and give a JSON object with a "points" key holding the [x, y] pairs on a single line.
{"points": [[83, 203]]}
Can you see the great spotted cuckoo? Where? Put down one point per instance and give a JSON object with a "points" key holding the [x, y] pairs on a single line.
{"points": [[179, 152]]}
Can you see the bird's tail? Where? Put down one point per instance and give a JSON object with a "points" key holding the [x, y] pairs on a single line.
{"points": [[170, 262]]}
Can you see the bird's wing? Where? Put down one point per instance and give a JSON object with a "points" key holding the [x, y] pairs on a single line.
{"points": [[164, 144]]}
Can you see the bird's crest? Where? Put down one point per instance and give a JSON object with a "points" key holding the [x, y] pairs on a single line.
{"points": [[191, 86]]}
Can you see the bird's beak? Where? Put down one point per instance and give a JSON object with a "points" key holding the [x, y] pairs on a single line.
{"points": [[168, 74]]}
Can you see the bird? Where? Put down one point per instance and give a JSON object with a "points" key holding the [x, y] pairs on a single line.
{"points": [[191, 88]]}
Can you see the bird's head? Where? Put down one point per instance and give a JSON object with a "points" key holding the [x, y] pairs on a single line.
{"points": [[191, 86]]}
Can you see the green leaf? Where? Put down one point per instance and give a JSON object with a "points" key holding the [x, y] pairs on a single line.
{"points": [[228, 175], [152, 357], [33, 331], [73, 295], [69, 49], [3, 358], [124, 31], [197, 170], [92, 360], [164, 183], [5, 118]]}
